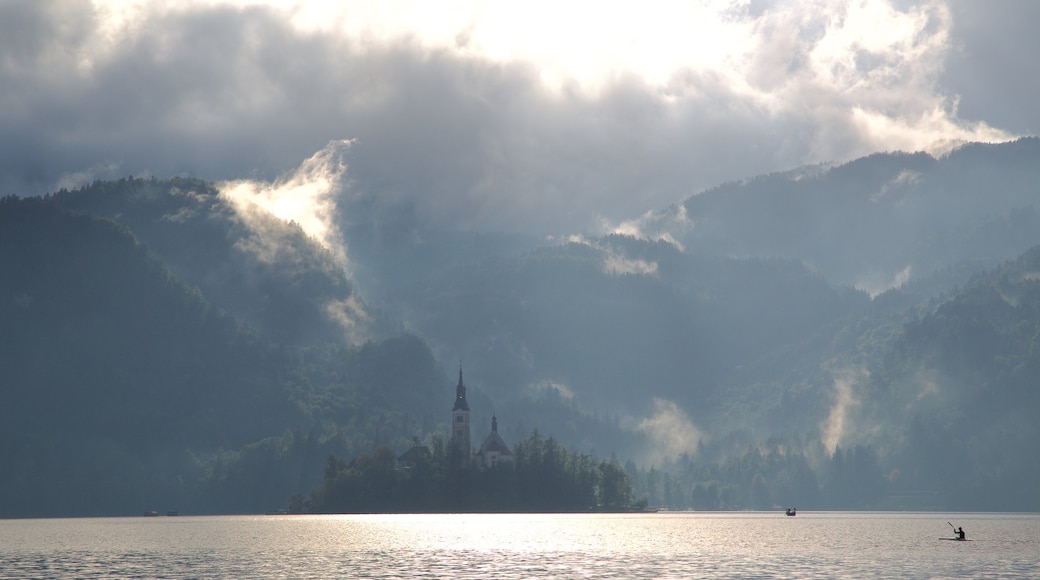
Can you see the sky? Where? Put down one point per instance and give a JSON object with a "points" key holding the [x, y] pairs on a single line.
{"points": [[551, 118]]}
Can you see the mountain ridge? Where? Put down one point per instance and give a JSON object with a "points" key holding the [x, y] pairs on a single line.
{"points": [[183, 341]]}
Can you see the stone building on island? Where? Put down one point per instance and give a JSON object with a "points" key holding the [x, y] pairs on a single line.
{"points": [[493, 452], [460, 422]]}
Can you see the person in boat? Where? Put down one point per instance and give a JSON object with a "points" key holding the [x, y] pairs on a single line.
{"points": [[960, 533]]}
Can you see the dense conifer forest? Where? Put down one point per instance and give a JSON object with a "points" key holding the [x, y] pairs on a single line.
{"points": [[544, 477], [160, 351]]}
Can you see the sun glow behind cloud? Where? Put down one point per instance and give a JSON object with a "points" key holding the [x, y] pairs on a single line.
{"points": [[537, 117], [584, 42], [866, 57]]}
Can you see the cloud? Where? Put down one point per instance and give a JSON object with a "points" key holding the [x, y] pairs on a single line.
{"points": [[616, 264], [542, 387], [495, 116], [671, 432], [990, 62], [307, 196], [838, 427], [615, 260], [875, 282], [658, 226], [351, 316]]}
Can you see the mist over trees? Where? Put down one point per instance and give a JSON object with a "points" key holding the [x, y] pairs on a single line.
{"points": [[264, 271], [862, 336]]}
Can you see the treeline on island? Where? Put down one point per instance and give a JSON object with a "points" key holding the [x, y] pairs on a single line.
{"points": [[548, 477], [544, 477]]}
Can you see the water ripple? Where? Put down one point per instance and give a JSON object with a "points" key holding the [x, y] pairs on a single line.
{"points": [[667, 545]]}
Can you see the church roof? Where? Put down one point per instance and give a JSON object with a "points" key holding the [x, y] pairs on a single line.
{"points": [[494, 442]]}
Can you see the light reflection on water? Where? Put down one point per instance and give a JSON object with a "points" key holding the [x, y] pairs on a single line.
{"points": [[663, 545]]}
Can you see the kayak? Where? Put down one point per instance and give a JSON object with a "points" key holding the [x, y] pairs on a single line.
{"points": [[956, 539]]}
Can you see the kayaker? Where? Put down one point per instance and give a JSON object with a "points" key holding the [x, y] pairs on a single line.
{"points": [[960, 533]]}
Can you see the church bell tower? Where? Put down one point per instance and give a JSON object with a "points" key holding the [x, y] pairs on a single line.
{"points": [[460, 422]]}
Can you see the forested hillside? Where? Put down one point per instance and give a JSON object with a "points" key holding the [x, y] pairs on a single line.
{"points": [[624, 320], [962, 381], [877, 221], [162, 350], [778, 314], [124, 390], [264, 271]]}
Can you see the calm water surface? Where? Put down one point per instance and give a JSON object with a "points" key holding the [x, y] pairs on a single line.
{"points": [[662, 545]]}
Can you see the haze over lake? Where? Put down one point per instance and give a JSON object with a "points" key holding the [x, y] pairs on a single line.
{"points": [[662, 545]]}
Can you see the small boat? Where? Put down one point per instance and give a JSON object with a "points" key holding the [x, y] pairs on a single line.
{"points": [[956, 539], [791, 512]]}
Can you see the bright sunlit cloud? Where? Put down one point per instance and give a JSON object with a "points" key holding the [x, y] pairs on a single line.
{"points": [[307, 196], [671, 432], [584, 42], [864, 59], [591, 43], [550, 118]]}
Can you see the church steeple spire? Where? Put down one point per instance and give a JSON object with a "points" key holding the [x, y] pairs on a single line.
{"points": [[460, 394], [460, 422]]}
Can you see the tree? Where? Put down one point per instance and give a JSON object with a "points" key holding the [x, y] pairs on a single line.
{"points": [[615, 487]]}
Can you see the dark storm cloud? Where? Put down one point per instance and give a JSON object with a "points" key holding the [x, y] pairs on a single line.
{"points": [[227, 93], [993, 62], [231, 93], [38, 42]]}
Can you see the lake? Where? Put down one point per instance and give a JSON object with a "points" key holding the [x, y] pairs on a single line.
{"points": [[660, 545]]}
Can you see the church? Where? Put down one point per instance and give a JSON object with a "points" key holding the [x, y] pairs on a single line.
{"points": [[494, 450]]}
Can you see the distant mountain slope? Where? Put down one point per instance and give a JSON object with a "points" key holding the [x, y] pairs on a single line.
{"points": [[621, 321], [957, 397], [154, 345], [749, 321], [875, 221], [267, 272]]}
